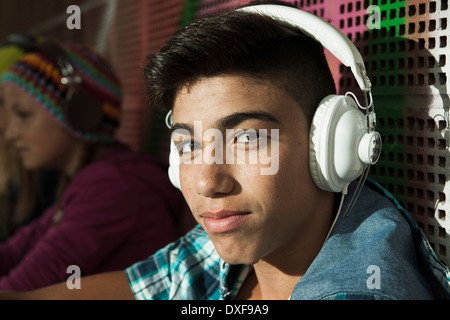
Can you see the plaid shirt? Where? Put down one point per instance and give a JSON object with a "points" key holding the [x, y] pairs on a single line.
{"points": [[191, 269], [188, 269]]}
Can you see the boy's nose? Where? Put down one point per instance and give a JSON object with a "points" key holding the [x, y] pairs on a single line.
{"points": [[213, 180]]}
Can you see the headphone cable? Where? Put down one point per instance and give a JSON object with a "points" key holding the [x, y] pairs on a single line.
{"points": [[355, 196], [344, 193]]}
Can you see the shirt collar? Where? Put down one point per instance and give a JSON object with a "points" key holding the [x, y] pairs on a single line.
{"points": [[231, 279]]}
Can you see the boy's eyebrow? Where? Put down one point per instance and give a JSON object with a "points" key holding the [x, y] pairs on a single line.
{"points": [[235, 119], [231, 120], [183, 126]]}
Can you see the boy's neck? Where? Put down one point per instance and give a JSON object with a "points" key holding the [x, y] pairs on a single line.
{"points": [[274, 285]]}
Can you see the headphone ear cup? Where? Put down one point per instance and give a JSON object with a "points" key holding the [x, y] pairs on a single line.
{"points": [[336, 131], [174, 166], [83, 112]]}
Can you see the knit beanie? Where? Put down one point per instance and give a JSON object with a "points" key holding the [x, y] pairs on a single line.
{"points": [[39, 74]]}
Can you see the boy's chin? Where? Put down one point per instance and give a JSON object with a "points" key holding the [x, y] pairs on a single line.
{"points": [[236, 249]]}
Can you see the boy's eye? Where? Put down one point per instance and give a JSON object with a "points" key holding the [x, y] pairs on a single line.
{"points": [[187, 147], [247, 136]]}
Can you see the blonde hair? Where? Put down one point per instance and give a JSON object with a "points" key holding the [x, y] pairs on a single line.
{"points": [[13, 174], [6, 167]]}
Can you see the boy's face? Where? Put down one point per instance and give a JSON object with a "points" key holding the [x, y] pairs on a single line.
{"points": [[248, 215]]}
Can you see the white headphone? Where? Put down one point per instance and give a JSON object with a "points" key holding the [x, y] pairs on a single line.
{"points": [[174, 159], [343, 141]]}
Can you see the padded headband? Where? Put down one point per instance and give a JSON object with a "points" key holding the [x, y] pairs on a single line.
{"points": [[329, 37]]}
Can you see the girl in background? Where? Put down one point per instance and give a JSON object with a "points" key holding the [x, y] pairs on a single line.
{"points": [[24, 194], [113, 206]]}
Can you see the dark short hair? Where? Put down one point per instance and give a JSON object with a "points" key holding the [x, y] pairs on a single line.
{"points": [[243, 44]]}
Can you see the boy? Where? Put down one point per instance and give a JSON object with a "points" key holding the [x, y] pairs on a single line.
{"points": [[263, 236]]}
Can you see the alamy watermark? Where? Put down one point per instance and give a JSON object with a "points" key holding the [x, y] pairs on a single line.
{"points": [[373, 20], [374, 280], [74, 280], [242, 147], [74, 20]]}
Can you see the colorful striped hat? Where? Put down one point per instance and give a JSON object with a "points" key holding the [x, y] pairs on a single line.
{"points": [[75, 84]]}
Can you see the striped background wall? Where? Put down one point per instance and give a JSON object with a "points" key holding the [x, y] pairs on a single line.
{"points": [[406, 58]]}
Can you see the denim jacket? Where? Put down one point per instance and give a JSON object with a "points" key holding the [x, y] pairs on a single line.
{"points": [[377, 252]]}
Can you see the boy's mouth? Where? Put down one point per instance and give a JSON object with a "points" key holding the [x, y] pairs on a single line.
{"points": [[221, 221]]}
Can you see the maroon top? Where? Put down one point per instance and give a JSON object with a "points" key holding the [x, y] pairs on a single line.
{"points": [[116, 211]]}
